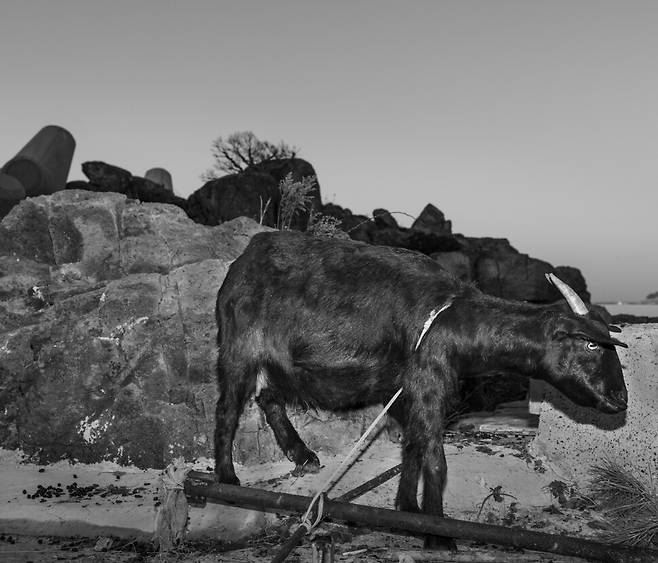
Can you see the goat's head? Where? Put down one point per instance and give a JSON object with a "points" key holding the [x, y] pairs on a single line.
{"points": [[581, 356]]}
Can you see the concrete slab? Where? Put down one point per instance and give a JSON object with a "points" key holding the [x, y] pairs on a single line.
{"points": [[124, 502], [113, 513], [572, 439]]}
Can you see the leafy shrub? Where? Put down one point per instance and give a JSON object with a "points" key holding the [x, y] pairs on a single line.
{"points": [[325, 226]]}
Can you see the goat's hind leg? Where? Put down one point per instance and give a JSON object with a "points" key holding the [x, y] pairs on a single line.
{"points": [[286, 436], [233, 394]]}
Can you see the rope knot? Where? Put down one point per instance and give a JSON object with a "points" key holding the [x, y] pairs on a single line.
{"points": [[306, 519]]}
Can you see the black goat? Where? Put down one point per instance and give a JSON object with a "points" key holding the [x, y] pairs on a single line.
{"points": [[337, 324]]}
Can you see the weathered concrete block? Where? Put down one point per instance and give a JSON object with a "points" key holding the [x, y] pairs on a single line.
{"points": [[573, 438]]}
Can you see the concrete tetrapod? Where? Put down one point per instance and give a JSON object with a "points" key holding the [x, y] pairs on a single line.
{"points": [[11, 192], [42, 165]]}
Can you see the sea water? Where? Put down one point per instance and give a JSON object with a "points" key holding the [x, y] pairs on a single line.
{"points": [[637, 309]]}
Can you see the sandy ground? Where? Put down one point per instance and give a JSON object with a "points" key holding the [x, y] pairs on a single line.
{"points": [[104, 512]]}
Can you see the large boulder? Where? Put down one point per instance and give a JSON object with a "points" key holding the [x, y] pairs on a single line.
{"points": [[384, 219], [432, 219], [107, 330], [298, 167], [501, 270], [515, 276], [245, 194], [105, 177], [253, 193]]}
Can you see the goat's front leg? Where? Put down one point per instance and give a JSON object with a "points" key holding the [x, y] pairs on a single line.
{"points": [[406, 499], [435, 472], [428, 398]]}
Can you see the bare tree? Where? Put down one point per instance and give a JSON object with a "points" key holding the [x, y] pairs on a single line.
{"points": [[241, 150]]}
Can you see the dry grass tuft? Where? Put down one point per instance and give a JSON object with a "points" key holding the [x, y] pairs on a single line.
{"points": [[296, 196], [631, 504]]}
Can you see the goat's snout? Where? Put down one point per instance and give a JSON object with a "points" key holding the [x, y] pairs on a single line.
{"points": [[621, 397], [615, 402]]}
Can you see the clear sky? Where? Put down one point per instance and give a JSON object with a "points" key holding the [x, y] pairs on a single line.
{"points": [[534, 121]]}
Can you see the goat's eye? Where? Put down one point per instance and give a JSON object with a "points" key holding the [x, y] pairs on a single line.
{"points": [[592, 346]]}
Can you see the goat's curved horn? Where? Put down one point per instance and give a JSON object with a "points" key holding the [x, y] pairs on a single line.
{"points": [[575, 302]]}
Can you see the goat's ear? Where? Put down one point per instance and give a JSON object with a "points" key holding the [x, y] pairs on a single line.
{"points": [[606, 341], [616, 342], [596, 316]]}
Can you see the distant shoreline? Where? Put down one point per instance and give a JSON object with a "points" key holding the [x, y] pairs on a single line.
{"points": [[638, 312], [623, 303]]}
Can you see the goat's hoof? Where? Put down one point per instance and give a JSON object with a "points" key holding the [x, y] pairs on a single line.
{"points": [[311, 465], [440, 543]]}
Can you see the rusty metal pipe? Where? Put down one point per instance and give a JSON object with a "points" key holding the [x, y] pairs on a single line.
{"points": [[420, 523]]}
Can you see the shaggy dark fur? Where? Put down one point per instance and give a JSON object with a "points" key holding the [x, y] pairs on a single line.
{"points": [[334, 324]]}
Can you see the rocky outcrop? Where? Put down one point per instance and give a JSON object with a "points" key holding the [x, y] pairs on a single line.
{"points": [[105, 177], [499, 269], [253, 193], [492, 264], [107, 330], [383, 230]]}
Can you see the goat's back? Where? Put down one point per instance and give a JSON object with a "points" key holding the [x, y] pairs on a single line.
{"points": [[320, 310], [292, 274]]}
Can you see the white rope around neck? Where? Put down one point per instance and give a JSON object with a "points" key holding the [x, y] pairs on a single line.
{"points": [[428, 323]]}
